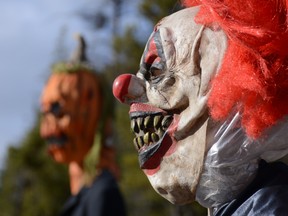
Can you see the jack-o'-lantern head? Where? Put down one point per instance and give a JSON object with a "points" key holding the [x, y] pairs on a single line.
{"points": [[70, 103], [71, 107]]}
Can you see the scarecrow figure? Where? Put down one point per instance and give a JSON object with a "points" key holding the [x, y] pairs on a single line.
{"points": [[77, 128], [209, 106]]}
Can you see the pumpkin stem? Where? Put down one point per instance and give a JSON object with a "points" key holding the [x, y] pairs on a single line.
{"points": [[79, 55]]}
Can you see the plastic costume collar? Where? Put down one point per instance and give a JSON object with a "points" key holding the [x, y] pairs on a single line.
{"points": [[232, 161]]}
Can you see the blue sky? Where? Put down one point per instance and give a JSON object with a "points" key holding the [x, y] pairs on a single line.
{"points": [[29, 33]]}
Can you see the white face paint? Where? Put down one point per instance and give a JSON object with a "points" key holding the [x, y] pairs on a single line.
{"points": [[168, 102]]}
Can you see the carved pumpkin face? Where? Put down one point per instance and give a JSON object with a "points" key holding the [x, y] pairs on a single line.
{"points": [[70, 105], [167, 99]]}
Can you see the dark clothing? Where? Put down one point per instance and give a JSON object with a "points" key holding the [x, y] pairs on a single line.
{"points": [[267, 195], [103, 198]]}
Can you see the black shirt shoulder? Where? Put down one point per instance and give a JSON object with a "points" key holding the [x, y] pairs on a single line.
{"points": [[266, 195], [103, 198]]}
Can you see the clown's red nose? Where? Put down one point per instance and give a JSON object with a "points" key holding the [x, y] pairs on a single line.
{"points": [[120, 86]]}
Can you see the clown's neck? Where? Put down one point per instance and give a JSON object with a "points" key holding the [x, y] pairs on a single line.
{"points": [[76, 175]]}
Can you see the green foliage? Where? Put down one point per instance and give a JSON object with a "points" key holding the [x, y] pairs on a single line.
{"points": [[31, 183], [156, 10], [67, 67], [128, 51]]}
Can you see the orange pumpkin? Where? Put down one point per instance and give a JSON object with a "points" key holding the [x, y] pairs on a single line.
{"points": [[71, 104]]}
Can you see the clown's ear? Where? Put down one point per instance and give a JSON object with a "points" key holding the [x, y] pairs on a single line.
{"points": [[213, 44]]}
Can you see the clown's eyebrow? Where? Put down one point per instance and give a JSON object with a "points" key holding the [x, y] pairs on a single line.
{"points": [[154, 49], [153, 54]]}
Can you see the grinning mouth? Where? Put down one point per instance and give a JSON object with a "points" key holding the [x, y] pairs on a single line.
{"points": [[148, 128], [57, 140]]}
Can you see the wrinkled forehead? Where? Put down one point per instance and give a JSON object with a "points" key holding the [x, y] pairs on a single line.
{"points": [[181, 23], [172, 35]]}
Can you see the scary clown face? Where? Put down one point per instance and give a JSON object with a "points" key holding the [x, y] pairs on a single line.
{"points": [[70, 105], [167, 99]]}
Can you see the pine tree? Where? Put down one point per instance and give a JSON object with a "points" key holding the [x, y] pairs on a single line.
{"points": [[32, 184]]}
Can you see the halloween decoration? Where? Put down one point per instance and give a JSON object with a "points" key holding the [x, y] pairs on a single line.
{"points": [[71, 105], [78, 132], [208, 106]]}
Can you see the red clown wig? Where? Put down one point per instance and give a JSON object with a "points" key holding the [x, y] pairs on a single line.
{"points": [[254, 74]]}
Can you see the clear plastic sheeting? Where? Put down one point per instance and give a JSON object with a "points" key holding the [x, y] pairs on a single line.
{"points": [[232, 161]]}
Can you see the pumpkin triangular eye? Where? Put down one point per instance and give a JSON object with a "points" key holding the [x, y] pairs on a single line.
{"points": [[56, 109]]}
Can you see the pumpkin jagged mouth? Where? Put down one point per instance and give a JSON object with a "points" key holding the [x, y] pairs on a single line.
{"points": [[57, 140], [148, 128]]}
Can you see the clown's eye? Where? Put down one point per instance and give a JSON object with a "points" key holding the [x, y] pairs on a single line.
{"points": [[155, 72], [56, 109], [151, 72]]}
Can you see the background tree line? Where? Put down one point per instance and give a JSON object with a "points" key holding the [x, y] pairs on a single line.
{"points": [[31, 184]]}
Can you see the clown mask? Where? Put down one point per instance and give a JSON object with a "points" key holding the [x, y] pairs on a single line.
{"points": [[167, 99]]}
